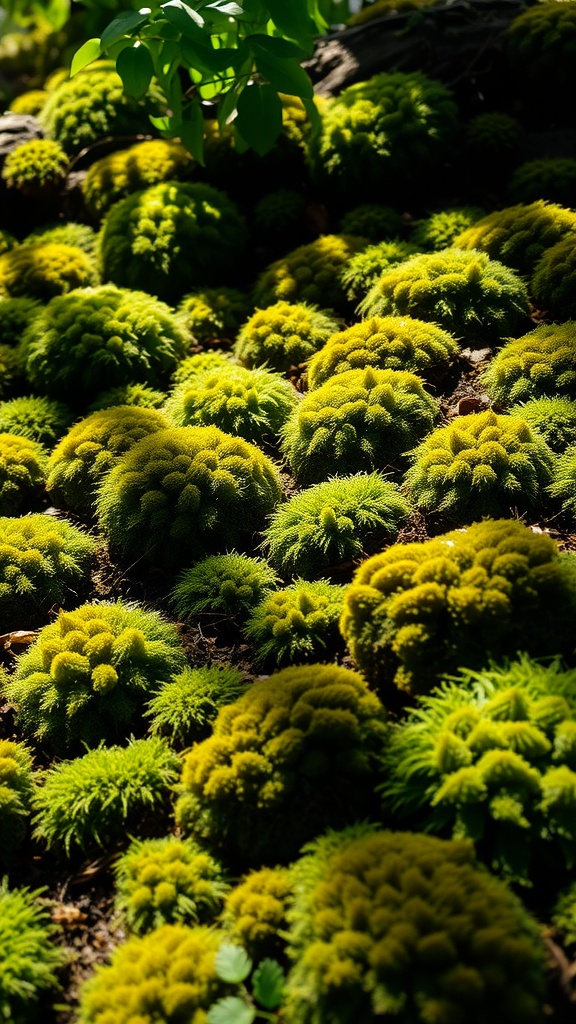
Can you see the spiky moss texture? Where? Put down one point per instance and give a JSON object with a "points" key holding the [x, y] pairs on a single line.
{"points": [[298, 623], [91, 106], [564, 918], [192, 366], [470, 295], [491, 758], [408, 926], [165, 881], [131, 394], [253, 404], [553, 418], [554, 280], [292, 756], [278, 218], [519, 235], [38, 419], [45, 269], [284, 335], [16, 789], [480, 465], [86, 675], [30, 102], [100, 799], [29, 956], [363, 270], [358, 420], [439, 230], [99, 337], [230, 584], [537, 365], [15, 315], [419, 611], [171, 238], [386, 343], [549, 178], [43, 562], [167, 977], [23, 465], [214, 314], [256, 910], [130, 170], [563, 484], [541, 48], [187, 492], [35, 168], [310, 274], [383, 133], [185, 707], [373, 222], [331, 522], [80, 235], [91, 448]]}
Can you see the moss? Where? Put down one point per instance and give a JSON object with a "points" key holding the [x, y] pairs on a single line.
{"points": [[22, 473], [15, 316], [38, 419], [363, 270], [385, 343], [492, 139], [184, 492], [84, 678], [229, 584], [16, 789], [358, 420], [564, 916], [539, 364], [99, 799], [185, 707], [408, 926], [91, 448], [331, 522], [466, 293], [519, 235], [7, 241], [45, 269], [194, 366], [29, 956], [284, 335], [541, 48], [279, 218], [29, 102], [129, 170], [79, 235], [294, 754], [214, 314], [256, 911], [554, 280], [372, 221], [383, 8], [138, 395], [439, 230], [298, 623], [563, 484], [309, 273], [553, 418], [171, 238], [96, 338], [549, 178], [35, 168]]}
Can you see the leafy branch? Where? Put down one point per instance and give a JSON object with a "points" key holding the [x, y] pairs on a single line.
{"points": [[233, 965]]}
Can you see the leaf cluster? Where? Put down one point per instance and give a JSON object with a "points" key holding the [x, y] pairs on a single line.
{"points": [[284, 334], [234, 965], [298, 623]]}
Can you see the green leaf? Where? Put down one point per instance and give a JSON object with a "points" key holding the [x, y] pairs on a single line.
{"points": [[268, 984], [291, 17], [232, 963], [275, 46], [134, 65], [286, 76], [231, 1010], [123, 25], [259, 120], [197, 55], [186, 20], [163, 124], [231, 9], [192, 131], [85, 55]]}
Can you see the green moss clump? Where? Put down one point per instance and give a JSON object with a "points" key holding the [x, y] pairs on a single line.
{"points": [[171, 238], [45, 269], [295, 754], [386, 343], [279, 218], [383, 133], [230, 584], [519, 235], [29, 957], [284, 335], [7, 241], [331, 522], [363, 270], [138, 395], [84, 677], [35, 168], [99, 337], [539, 364], [16, 789], [99, 799], [357, 420], [185, 707], [408, 926], [79, 235], [91, 448], [43, 562], [193, 366], [468, 294], [130, 170], [11, 371], [417, 612], [541, 48], [553, 418], [491, 757], [256, 910], [15, 316], [166, 881], [38, 419], [563, 484], [167, 977], [184, 492], [439, 230], [373, 222], [549, 178], [480, 465], [214, 314], [554, 281], [23, 466], [492, 140], [295, 624], [30, 102], [309, 274], [564, 918]]}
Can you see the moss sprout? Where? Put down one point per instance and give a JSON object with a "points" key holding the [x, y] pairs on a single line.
{"points": [[519, 235], [466, 293], [22, 473], [84, 678], [284, 335], [126, 171], [549, 178], [439, 230], [38, 419], [309, 274], [29, 956], [185, 706], [256, 911], [358, 420], [214, 314], [330, 523], [230, 584], [361, 273], [295, 754], [553, 418], [35, 168], [15, 315], [537, 365], [372, 221], [419, 611], [16, 789], [45, 269], [295, 624], [554, 280]]}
